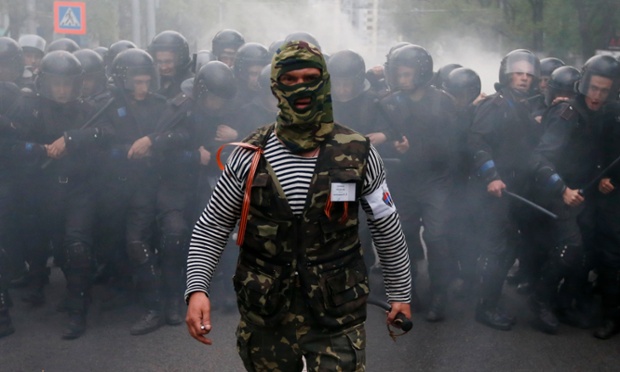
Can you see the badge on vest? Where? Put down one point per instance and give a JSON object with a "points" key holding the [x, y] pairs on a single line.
{"points": [[342, 192]]}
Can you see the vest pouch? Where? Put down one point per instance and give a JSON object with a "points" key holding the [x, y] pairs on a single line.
{"points": [[261, 193], [263, 234], [261, 292], [344, 293]]}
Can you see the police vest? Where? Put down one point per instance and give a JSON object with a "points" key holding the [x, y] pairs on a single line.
{"points": [[318, 252]]}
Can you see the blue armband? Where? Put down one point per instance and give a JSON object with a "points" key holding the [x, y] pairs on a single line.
{"points": [[489, 164], [553, 179]]}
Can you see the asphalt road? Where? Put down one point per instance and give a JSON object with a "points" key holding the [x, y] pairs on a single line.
{"points": [[456, 344]]}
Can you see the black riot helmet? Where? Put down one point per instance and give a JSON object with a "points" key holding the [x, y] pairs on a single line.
{"points": [[562, 83], [250, 54], [226, 39], [33, 43], [347, 68], [274, 46], [65, 44], [94, 80], [172, 41], [102, 51], [202, 58], [463, 84], [217, 78], [602, 66], [548, 65], [519, 60], [302, 36], [115, 49], [442, 74], [11, 60], [414, 57], [398, 45], [60, 77], [131, 63]]}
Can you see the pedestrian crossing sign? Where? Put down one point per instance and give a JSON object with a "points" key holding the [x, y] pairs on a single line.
{"points": [[69, 17]]}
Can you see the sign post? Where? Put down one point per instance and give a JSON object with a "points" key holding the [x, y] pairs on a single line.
{"points": [[69, 17]]}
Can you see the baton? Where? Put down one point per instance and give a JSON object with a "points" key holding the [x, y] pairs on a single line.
{"points": [[86, 125], [599, 176], [400, 321], [531, 204]]}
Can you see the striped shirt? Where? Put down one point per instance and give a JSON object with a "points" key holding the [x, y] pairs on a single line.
{"points": [[294, 173]]}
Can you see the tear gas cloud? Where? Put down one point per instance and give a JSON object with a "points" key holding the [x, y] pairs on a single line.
{"points": [[266, 22]]}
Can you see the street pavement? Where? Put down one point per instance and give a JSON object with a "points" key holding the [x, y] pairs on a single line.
{"points": [[456, 344]]}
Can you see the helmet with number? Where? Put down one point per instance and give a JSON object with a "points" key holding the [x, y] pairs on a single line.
{"points": [[65, 44], [33, 43], [11, 60], [463, 84], [562, 83], [302, 36], [217, 78], [94, 72], [603, 66], [273, 47], [415, 58], [60, 77], [174, 42], [250, 54], [202, 58], [226, 39], [348, 75], [442, 74], [519, 60], [132, 63]]}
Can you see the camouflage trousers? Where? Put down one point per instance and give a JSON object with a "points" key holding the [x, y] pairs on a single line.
{"points": [[280, 348]]}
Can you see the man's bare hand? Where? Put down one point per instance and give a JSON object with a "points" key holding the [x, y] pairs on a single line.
{"points": [[57, 149], [605, 186], [495, 188], [225, 133], [398, 307], [198, 318], [376, 138], [572, 197], [402, 146], [140, 149], [205, 156]]}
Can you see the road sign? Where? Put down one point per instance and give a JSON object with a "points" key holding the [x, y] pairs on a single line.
{"points": [[69, 17]]}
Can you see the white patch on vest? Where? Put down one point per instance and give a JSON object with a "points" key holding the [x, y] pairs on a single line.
{"points": [[380, 202], [342, 192]]}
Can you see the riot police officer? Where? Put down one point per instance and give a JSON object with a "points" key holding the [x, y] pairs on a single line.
{"points": [[422, 120], [128, 182], [564, 161], [500, 140], [94, 83], [63, 191], [225, 44], [261, 110], [170, 51], [249, 62]]}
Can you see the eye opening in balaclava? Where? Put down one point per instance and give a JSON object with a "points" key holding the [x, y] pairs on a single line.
{"points": [[303, 129]]}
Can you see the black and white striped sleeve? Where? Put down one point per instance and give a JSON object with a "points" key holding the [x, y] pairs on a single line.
{"points": [[386, 231], [217, 221]]}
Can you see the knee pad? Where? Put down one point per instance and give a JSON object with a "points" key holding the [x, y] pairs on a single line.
{"points": [[78, 256]]}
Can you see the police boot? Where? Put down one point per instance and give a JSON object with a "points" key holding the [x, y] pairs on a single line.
{"points": [[545, 320], [609, 328], [150, 321], [6, 327], [35, 295], [174, 311], [493, 317], [437, 308]]}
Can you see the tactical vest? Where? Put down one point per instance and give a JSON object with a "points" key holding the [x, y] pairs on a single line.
{"points": [[318, 252]]}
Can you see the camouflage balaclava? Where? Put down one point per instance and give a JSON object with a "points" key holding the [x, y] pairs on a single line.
{"points": [[301, 130]]}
